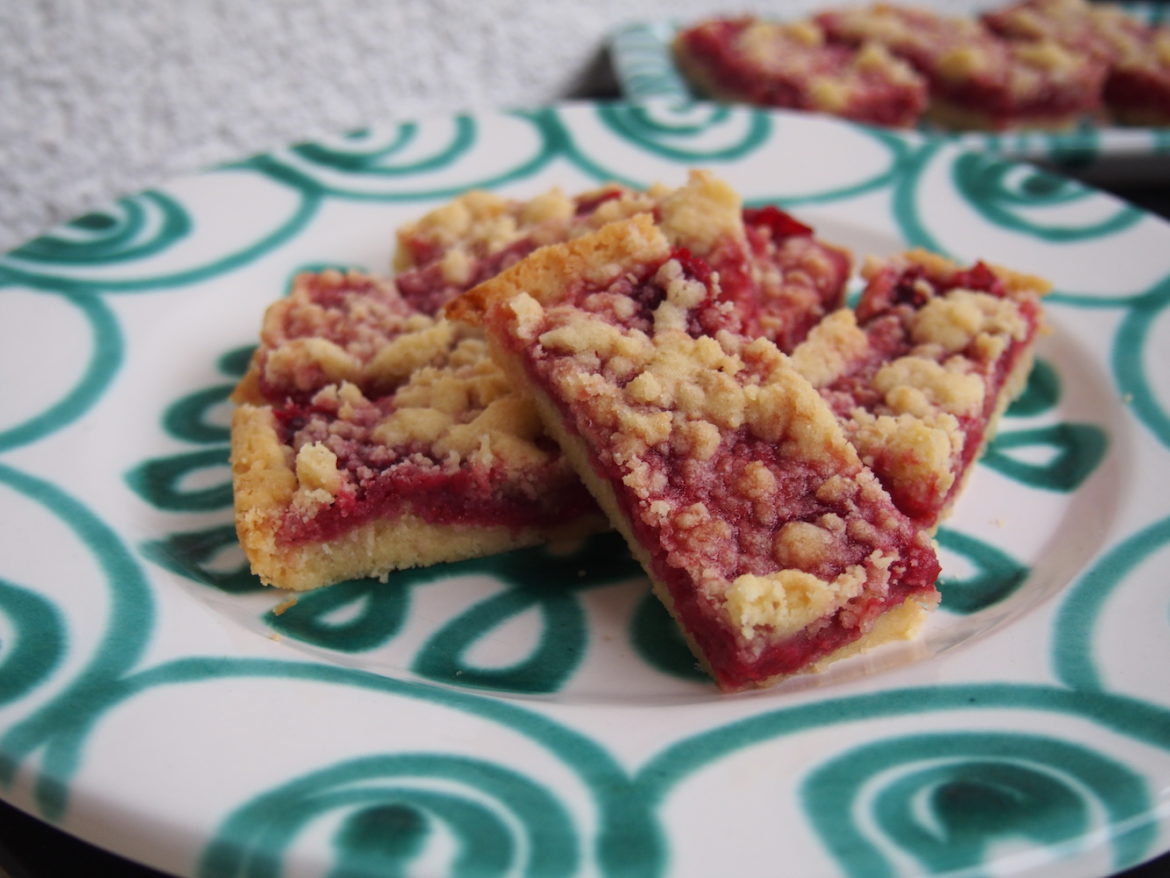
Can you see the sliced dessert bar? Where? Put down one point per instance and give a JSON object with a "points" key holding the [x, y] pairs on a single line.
{"points": [[764, 534], [1137, 55], [977, 79], [790, 65], [920, 373]]}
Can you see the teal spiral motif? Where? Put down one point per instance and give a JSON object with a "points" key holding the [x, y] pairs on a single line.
{"points": [[1131, 351], [36, 645], [995, 575], [700, 134], [372, 613], [95, 376], [411, 162], [1021, 197], [1040, 394], [949, 798], [1078, 450], [1075, 653], [362, 615], [641, 54], [659, 642], [165, 481], [372, 152], [197, 418], [210, 556], [694, 133], [623, 840], [131, 229], [1004, 195], [121, 642], [393, 808], [1060, 787], [139, 247]]}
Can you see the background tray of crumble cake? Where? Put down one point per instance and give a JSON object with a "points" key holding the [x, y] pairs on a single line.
{"points": [[535, 713], [645, 70]]}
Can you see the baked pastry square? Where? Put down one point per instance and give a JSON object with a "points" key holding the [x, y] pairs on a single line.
{"points": [[453, 464], [921, 371], [1136, 55], [790, 65], [977, 79], [763, 533]]}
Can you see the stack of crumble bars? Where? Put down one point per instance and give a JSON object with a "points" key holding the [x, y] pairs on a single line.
{"points": [[662, 362]]}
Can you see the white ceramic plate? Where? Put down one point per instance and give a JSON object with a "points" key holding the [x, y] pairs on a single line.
{"points": [[1106, 155], [535, 714]]}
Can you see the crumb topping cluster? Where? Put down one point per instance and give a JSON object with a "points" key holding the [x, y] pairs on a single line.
{"points": [[479, 234], [343, 326], [798, 278], [1136, 55]]}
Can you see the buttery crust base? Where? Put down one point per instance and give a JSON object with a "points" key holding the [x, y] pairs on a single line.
{"points": [[264, 486]]}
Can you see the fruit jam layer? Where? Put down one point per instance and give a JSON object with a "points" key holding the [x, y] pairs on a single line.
{"points": [[379, 478], [710, 494]]}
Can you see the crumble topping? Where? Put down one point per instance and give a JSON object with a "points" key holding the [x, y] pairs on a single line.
{"points": [[342, 326], [1137, 81], [366, 417], [479, 234]]}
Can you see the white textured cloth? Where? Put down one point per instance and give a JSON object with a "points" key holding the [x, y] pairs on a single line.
{"points": [[102, 98]]}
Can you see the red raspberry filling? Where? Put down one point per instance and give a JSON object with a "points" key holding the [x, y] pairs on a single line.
{"points": [[381, 481]]}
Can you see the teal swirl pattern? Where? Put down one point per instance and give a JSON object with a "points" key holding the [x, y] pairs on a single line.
{"points": [[537, 713], [392, 804], [949, 797]]}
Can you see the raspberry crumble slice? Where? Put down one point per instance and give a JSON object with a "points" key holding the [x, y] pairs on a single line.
{"points": [[921, 371], [1136, 55], [790, 65], [977, 79], [773, 546]]}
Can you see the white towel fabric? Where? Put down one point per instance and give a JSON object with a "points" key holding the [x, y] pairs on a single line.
{"points": [[102, 99]]}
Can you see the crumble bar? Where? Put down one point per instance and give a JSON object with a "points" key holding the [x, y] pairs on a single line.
{"points": [[1136, 55], [792, 66], [921, 372], [977, 79], [770, 542]]}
